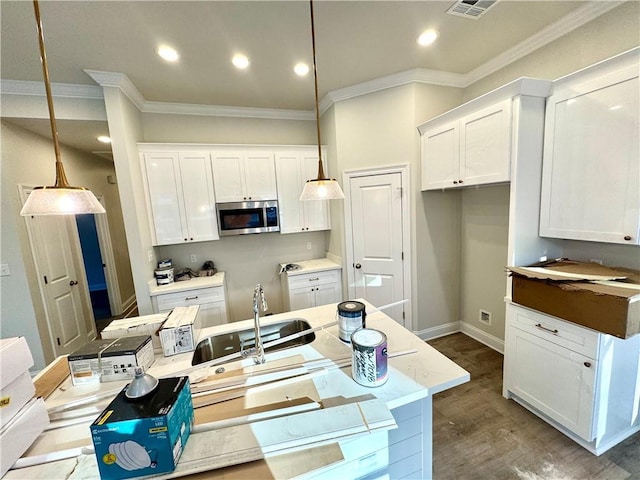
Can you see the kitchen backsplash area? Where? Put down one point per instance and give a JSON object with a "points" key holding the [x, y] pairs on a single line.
{"points": [[247, 260]]}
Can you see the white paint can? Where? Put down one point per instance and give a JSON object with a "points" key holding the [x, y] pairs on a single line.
{"points": [[351, 317], [369, 362], [164, 276]]}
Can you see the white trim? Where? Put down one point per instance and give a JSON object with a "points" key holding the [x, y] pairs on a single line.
{"points": [[29, 88], [226, 111], [405, 174], [106, 251], [545, 36], [438, 331], [483, 337], [118, 80], [128, 305]]}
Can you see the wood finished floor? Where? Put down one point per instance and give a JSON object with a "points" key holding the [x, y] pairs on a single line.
{"points": [[478, 434]]}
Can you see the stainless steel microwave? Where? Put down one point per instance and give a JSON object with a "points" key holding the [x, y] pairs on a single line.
{"points": [[239, 218]]}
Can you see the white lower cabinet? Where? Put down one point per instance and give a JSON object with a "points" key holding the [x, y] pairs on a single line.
{"points": [[311, 289], [212, 301], [583, 382]]}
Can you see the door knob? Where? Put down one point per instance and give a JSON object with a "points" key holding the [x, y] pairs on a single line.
{"points": [[72, 283], [357, 265]]}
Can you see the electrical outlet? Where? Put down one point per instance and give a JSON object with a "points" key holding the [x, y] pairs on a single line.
{"points": [[5, 271], [485, 317], [309, 245], [193, 258], [150, 255]]}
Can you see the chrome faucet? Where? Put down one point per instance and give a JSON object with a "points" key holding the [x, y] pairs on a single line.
{"points": [[258, 301]]}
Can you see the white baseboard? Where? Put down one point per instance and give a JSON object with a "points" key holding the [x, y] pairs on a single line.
{"points": [[483, 337], [439, 331]]}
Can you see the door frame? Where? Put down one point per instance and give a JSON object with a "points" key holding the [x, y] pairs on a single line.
{"points": [[106, 251], [404, 171]]}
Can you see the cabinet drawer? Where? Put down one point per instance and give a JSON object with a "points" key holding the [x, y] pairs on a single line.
{"points": [[190, 297], [313, 279], [565, 334]]}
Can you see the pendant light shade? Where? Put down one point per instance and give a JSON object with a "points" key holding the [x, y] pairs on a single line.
{"points": [[60, 198], [321, 188]]}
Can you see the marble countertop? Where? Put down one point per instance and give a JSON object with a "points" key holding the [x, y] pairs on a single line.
{"points": [[412, 377], [216, 280], [310, 266]]}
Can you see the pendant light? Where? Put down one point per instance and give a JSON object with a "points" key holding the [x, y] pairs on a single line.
{"points": [[321, 188], [61, 198]]}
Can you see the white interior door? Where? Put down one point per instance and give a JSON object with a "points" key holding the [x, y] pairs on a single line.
{"points": [[376, 216], [62, 282]]}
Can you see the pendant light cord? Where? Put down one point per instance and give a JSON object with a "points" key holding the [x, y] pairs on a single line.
{"points": [[61, 179], [315, 82]]}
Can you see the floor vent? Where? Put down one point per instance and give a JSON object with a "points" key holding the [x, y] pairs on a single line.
{"points": [[471, 8]]}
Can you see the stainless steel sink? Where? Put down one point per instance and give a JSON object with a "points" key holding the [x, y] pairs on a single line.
{"points": [[234, 343]]}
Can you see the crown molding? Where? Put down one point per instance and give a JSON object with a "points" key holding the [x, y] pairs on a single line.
{"points": [[118, 80], [545, 36], [225, 111], [36, 89]]}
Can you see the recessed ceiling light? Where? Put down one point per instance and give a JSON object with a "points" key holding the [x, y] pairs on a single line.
{"points": [[104, 139], [301, 69], [427, 37], [168, 53], [240, 61]]}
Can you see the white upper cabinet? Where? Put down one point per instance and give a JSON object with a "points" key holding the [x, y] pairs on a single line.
{"points": [[591, 176], [243, 176], [293, 169], [474, 149], [181, 199]]}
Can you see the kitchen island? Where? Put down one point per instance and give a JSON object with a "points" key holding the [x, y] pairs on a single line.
{"points": [[416, 373]]}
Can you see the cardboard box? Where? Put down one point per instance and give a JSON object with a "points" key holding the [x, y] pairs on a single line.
{"points": [[110, 360], [180, 331], [603, 299], [16, 386], [21, 431], [133, 438], [134, 326]]}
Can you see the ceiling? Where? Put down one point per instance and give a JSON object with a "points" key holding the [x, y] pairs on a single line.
{"points": [[356, 42]]}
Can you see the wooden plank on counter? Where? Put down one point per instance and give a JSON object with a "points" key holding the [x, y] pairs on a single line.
{"points": [[52, 377]]}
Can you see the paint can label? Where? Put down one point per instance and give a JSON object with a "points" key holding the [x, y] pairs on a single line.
{"points": [[369, 362], [351, 317]]}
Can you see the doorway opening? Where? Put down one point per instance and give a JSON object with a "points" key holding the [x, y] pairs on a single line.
{"points": [[94, 266]]}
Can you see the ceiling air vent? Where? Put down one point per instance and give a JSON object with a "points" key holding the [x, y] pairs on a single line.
{"points": [[470, 8]]}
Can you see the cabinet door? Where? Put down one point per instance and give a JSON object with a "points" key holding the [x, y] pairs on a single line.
{"points": [[591, 178], [259, 176], [165, 197], [293, 169], [212, 314], [290, 181], [325, 294], [300, 298], [316, 212], [228, 176], [440, 157], [485, 145], [199, 201], [553, 379]]}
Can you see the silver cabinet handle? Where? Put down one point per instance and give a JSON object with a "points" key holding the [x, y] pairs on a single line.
{"points": [[554, 331], [314, 279], [192, 298]]}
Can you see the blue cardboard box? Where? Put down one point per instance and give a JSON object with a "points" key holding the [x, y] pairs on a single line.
{"points": [[146, 436]]}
